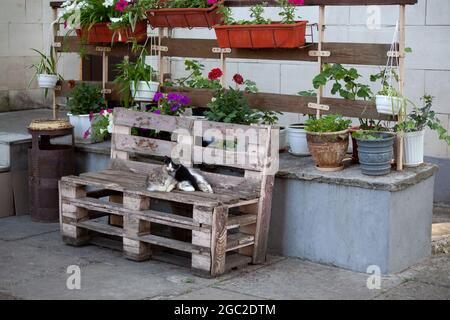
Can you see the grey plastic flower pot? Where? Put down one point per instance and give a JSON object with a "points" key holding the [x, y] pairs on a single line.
{"points": [[375, 155]]}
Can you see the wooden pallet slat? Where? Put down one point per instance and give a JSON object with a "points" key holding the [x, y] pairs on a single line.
{"points": [[239, 240]]}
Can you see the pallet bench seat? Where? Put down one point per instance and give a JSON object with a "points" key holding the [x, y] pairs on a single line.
{"points": [[225, 230]]}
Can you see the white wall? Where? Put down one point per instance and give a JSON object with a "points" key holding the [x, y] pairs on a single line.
{"points": [[25, 24]]}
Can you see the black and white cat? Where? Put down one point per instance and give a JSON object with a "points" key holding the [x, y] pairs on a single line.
{"points": [[177, 176]]}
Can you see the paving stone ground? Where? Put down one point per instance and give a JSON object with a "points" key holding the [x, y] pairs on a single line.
{"points": [[34, 261]]}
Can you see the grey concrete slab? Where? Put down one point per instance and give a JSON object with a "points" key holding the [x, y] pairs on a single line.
{"points": [[434, 271], [297, 279], [15, 228], [20, 264], [412, 290], [105, 281], [17, 122], [216, 294]]}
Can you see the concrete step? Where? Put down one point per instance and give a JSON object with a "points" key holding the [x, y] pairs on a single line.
{"points": [[441, 229]]}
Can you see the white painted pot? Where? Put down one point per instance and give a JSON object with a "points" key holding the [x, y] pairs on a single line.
{"points": [[283, 139], [413, 148], [389, 105], [145, 90], [298, 145], [47, 81], [81, 124]]}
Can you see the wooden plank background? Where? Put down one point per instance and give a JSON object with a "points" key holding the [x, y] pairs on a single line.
{"points": [[266, 101], [345, 53]]}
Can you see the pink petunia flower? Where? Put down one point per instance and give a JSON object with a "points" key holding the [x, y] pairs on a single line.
{"points": [[211, 2], [91, 116], [297, 2], [121, 5], [87, 134]]}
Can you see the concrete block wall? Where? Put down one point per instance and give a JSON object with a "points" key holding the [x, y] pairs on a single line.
{"points": [[25, 24]]}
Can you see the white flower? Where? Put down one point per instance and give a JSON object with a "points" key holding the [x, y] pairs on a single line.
{"points": [[114, 20], [108, 3], [66, 3]]}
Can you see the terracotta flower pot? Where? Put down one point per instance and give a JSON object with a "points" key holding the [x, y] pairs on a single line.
{"points": [[328, 149], [275, 35], [185, 17], [100, 33]]}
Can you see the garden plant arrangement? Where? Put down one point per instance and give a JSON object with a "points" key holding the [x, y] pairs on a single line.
{"points": [[414, 131], [46, 71], [84, 102], [261, 32], [328, 141], [195, 79], [138, 80], [105, 21], [101, 125], [183, 13]]}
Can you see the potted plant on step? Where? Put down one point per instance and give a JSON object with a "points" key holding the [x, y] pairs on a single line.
{"points": [[46, 70], [298, 144], [183, 13], [375, 151], [84, 102], [328, 139], [261, 32], [414, 131], [101, 125], [137, 79], [105, 21]]}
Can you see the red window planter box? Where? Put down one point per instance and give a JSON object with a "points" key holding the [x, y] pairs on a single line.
{"points": [[100, 33], [185, 17], [273, 35]]}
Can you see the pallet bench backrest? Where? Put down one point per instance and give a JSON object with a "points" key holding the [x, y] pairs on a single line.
{"points": [[252, 154]]}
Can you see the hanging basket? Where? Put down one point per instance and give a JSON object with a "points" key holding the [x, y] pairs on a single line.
{"points": [[101, 33], [275, 35], [185, 17]]}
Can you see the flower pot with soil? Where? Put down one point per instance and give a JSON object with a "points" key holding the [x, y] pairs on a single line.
{"points": [[107, 21], [168, 14], [260, 32], [413, 128], [298, 144], [85, 102], [46, 70], [328, 139], [375, 151], [102, 33]]}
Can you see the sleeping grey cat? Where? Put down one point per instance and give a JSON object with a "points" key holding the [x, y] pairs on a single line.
{"points": [[172, 175]]}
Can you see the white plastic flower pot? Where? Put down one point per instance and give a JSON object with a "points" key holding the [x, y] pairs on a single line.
{"points": [[389, 105], [298, 144], [81, 124], [413, 148], [47, 81], [144, 91]]}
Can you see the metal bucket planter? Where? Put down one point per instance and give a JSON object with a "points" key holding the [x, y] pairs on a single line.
{"points": [[328, 149], [375, 155]]}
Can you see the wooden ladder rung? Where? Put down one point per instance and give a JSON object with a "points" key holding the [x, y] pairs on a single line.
{"points": [[100, 227], [173, 244], [236, 221], [164, 218], [239, 240]]}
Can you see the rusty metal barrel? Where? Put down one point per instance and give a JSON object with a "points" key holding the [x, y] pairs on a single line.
{"points": [[47, 163]]}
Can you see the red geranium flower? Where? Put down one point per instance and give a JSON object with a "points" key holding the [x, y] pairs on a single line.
{"points": [[215, 74], [238, 79], [72, 84]]}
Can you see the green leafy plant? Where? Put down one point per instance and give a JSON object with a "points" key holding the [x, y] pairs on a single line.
{"points": [[101, 125], [47, 64], [195, 79], [387, 89], [366, 135], [328, 123], [288, 10], [423, 117], [256, 12], [85, 98], [132, 72], [345, 82]]}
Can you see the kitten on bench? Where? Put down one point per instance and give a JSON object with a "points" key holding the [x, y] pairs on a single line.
{"points": [[173, 176]]}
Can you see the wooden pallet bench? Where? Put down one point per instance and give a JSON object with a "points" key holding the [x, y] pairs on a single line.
{"points": [[225, 230]]}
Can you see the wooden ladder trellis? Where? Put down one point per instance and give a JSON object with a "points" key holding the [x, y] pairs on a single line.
{"points": [[319, 106]]}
